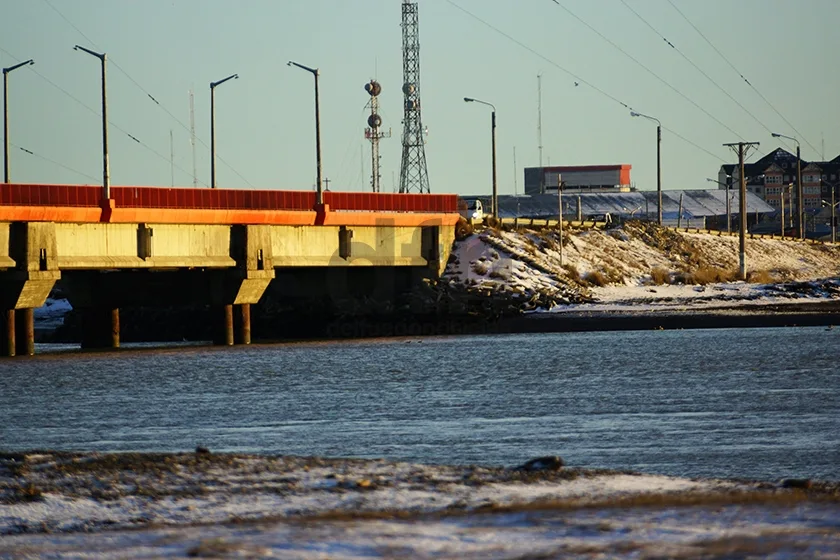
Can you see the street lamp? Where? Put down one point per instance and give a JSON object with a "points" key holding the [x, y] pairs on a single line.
{"points": [[106, 172], [6, 72], [800, 197], [319, 196], [495, 200], [833, 210], [728, 201], [213, 127], [658, 163]]}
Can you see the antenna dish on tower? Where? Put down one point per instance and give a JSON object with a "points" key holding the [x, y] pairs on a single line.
{"points": [[373, 88]]}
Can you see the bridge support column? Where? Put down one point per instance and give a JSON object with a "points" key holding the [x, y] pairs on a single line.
{"points": [[102, 328], [25, 332], [224, 331], [7, 333], [244, 324]]}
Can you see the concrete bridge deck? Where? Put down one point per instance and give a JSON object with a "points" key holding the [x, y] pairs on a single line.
{"points": [[219, 247]]}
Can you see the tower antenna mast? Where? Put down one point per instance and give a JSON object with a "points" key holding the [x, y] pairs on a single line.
{"points": [[413, 174], [374, 134], [192, 137]]}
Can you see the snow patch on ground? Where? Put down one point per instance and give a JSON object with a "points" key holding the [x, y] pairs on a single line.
{"points": [[51, 314], [233, 506], [529, 262]]}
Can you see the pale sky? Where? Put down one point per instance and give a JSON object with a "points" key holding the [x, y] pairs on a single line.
{"points": [[265, 120]]}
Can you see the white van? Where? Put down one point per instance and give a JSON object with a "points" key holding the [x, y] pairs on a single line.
{"points": [[474, 211]]}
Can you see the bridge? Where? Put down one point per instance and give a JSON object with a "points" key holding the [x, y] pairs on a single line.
{"points": [[151, 246]]}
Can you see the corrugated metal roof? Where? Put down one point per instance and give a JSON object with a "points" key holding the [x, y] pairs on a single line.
{"points": [[695, 204]]}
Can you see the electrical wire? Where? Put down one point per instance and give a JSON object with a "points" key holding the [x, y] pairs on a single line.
{"points": [[574, 76], [98, 114], [647, 69], [696, 67], [31, 153], [149, 95], [746, 81]]}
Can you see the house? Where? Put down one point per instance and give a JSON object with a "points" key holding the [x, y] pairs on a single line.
{"points": [[775, 175]]}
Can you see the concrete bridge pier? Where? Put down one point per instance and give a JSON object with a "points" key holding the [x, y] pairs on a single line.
{"points": [[224, 331], [234, 325], [25, 332], [243, 324], [28, 271], [102, 328], [7, 333]]}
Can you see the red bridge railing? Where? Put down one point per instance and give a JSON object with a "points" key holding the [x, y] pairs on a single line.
{"points": [[386, 202], [211, 199], [50, 195], [223, 199]]}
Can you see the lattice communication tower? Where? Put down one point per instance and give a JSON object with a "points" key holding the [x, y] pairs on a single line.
{"points": [[413, 174], [374, 133]]}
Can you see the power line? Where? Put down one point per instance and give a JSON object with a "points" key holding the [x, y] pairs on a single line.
{"points": [[648, 70], [96, 113], [141, 88], [571, 74], [696, 67], [755, 89], [31, 153]]}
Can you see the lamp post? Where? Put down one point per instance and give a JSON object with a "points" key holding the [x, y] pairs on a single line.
{"points": [[495, 199], [800, 197], [106, 172], [833, 211], [658, 163], [319, 193], [728, 201], [213, 86], [6, 72]]}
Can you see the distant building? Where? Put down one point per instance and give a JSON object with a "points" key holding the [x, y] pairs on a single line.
{"points": [[578, 179], [774, 175]]}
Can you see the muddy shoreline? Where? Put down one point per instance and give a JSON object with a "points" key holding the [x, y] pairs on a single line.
{"points": [[191, 326]]}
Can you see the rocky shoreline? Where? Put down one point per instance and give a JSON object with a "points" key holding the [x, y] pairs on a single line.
{"points": [[218, 505]]}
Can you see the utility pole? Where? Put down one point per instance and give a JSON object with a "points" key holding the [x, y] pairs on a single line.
{"points": [[800, 197], [741, 149], [6, 71], [106, 170], [539, 132], [560, 216]]}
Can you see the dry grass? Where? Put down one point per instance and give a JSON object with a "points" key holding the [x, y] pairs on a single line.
{"points": [[660, 276], [481, 268], [706, 275], [760, 277], [572, 272], [29, 493], [214, 548], [463, 229], [596, 278]]}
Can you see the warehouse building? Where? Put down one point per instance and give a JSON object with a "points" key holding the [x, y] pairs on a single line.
{"points": [[578, 179]]}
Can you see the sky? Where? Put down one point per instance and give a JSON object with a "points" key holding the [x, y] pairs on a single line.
{"points": [[597, 59]]}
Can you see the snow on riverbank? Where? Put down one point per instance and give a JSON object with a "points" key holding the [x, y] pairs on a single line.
{"points": [[51, 314], [615, 270], [79, 505], [72, 492]]}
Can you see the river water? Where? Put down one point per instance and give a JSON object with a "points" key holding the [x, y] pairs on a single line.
{"points": [[751, 403]]}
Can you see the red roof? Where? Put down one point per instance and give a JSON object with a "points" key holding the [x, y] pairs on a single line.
{"points": [[618, 167]]}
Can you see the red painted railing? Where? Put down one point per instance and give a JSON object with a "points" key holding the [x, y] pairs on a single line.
{"points": [[222, 199], [50, 195], [212, 199], [386, 202]]}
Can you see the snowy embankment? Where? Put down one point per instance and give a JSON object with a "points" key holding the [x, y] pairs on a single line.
{"points": [[640, 267], [217, 505]]}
